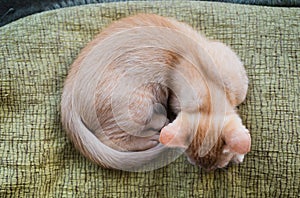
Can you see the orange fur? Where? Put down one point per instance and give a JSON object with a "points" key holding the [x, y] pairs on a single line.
{"points": [[123, 87]]}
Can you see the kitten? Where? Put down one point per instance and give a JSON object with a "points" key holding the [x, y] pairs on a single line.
{"points": [[147, 83]]}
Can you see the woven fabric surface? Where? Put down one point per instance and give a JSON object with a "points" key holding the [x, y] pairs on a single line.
{"points": [[11, 10], [37, 159]]}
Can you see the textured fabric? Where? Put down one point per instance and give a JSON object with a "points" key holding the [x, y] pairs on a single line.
{"points": [[36, 157], [11, 10]]}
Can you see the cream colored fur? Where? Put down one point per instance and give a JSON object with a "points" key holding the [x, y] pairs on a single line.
{"points": [[122, 85]]}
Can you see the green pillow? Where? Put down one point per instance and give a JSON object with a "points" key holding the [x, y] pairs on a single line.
{"points": [[36, 157]]}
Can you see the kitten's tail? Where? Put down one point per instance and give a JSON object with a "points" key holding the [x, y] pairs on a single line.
{"points": [[92, 148]]}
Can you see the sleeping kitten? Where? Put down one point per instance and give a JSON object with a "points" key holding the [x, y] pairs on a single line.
{"points": [[147, 83]]}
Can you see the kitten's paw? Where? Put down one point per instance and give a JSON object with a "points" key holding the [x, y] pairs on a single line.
{"points": [[145, 143], [224, 158], [228, 156], [238, 158], [150, 142]]}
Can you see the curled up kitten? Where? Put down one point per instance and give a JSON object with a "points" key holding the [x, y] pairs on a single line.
{"points": [[149, 84]]}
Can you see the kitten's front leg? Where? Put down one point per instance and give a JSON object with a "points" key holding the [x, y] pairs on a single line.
{"points": [[237, 142]]}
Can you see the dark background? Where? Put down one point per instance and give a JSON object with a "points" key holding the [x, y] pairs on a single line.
{"points": [[11, 10]]}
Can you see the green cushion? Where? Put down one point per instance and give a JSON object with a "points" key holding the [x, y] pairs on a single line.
{"points": [[36, 157]]}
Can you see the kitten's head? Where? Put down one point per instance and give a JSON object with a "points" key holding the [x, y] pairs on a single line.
{"points": [[206, 147]]}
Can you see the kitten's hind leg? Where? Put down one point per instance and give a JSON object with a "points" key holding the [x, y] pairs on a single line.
{"points": [[149, 137], [147, 109], [158, 118]]}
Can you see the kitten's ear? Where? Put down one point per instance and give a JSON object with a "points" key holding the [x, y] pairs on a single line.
{"points": [[238, 140], [172, 135]]}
